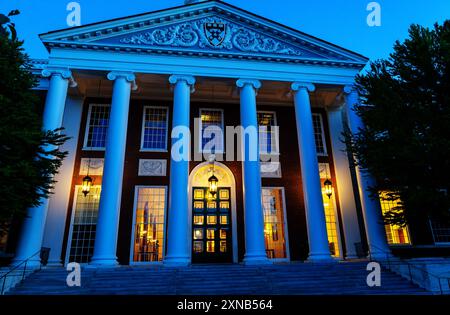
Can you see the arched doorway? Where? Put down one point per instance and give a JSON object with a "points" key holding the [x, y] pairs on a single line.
{"points": [[198, 181]]}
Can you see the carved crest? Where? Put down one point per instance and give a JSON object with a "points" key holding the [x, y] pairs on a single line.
{"points": [[215, 33]]}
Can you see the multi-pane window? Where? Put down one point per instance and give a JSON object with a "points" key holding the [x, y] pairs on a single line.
{"points": [[395, 234], [84, 224], [319, 134], [274, 229], [440, 230], [329, 205], [154, 129], [268, 133], [97, 126], [211, 127], [149, 224]]}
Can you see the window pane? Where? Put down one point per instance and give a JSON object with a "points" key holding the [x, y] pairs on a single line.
{"points": [[149, 224], [84, 225], [319, 134], [268, 136], [330, 211], [274, 231], [441, 231], [97, 125], [212, 123], [155, 128], [395, 234]]}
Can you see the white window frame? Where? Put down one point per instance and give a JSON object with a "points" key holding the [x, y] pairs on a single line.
{"points": [[72, 219], [325, 151], [285, 223], [200, 134], [88, 125], [142, 149], [133, 228], [277, 144]]}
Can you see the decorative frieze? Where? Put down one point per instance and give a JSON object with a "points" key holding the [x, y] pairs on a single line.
{"points": [[271, 169], [95, 166], [151, 167]]}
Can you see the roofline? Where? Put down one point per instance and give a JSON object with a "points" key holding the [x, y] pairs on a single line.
{"points": [[222, 3]]}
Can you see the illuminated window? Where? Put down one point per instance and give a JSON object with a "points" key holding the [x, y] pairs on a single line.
{"points": [[441, 231], [268, 133], [198, 219], [97, 126], [395, 234], [154, 129], [84, 224], [274, 229], [319, 134], [329, 205], [149, 224], [211, 127]]}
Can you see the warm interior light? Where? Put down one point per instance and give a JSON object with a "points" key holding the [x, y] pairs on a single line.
{"points": [[87, 184], [328, 185], [213, 185]]}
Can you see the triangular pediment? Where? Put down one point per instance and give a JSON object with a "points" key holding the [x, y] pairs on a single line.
{"points": [[207, 29]]}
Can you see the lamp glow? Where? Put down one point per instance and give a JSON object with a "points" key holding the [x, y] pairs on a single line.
{"points": [[86, 186], [213, 185], [328, 185]]}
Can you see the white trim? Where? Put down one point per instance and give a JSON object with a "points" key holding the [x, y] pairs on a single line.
{"points": [[142, 149], [200, 134], [285, 224], [88, 124], [233, 208], [325, 151], [277, 135], [133, 224], [72, 218]]}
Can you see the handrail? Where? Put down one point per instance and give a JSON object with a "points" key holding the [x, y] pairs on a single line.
{"points": [[410, 265], [23, 262]]}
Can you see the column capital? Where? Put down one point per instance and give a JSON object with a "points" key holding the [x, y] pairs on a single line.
{"points": [[256, 84], [350, 88], [128, 76], [297, 86], [190, 80], [65, 73]]}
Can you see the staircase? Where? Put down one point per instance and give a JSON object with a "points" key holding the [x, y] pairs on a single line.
{"points": [[293, 278]]}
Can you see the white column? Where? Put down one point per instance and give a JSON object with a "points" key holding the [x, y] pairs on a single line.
{"points": [[110, 197], [32, 233], [178, 237], [373, 220], [312, 191], [344, 183], [59, 201], [255, 251]]}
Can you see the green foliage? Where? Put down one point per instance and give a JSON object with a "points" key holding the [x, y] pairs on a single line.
{"points": [[405, 105], [29, 157]]}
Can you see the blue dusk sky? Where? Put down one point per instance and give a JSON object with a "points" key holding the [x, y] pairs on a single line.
{"points": [[342, 22]]}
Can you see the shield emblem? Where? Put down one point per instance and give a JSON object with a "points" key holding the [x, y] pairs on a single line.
{"points": [[215, 33]]}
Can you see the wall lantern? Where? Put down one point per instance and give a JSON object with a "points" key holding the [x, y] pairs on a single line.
{"points": [[87, 184], [328, 187], [213, 185]]}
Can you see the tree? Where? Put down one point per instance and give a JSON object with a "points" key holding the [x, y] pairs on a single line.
{"points": [[405, 145], [29, 157]]}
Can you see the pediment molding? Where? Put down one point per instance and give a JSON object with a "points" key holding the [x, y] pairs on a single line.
{"points": [[187, 30]]}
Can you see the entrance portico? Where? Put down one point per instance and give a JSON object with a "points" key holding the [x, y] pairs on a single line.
{"points": [[277, 71]]}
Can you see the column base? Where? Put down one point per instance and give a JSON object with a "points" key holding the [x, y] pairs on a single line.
{"points": [[172, 261], [321, 258], [256, 259], [104, 262]]}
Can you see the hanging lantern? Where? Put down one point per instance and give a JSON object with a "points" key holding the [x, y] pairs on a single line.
{"points": [[213, 185], [328, 187], [87, 184]]}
